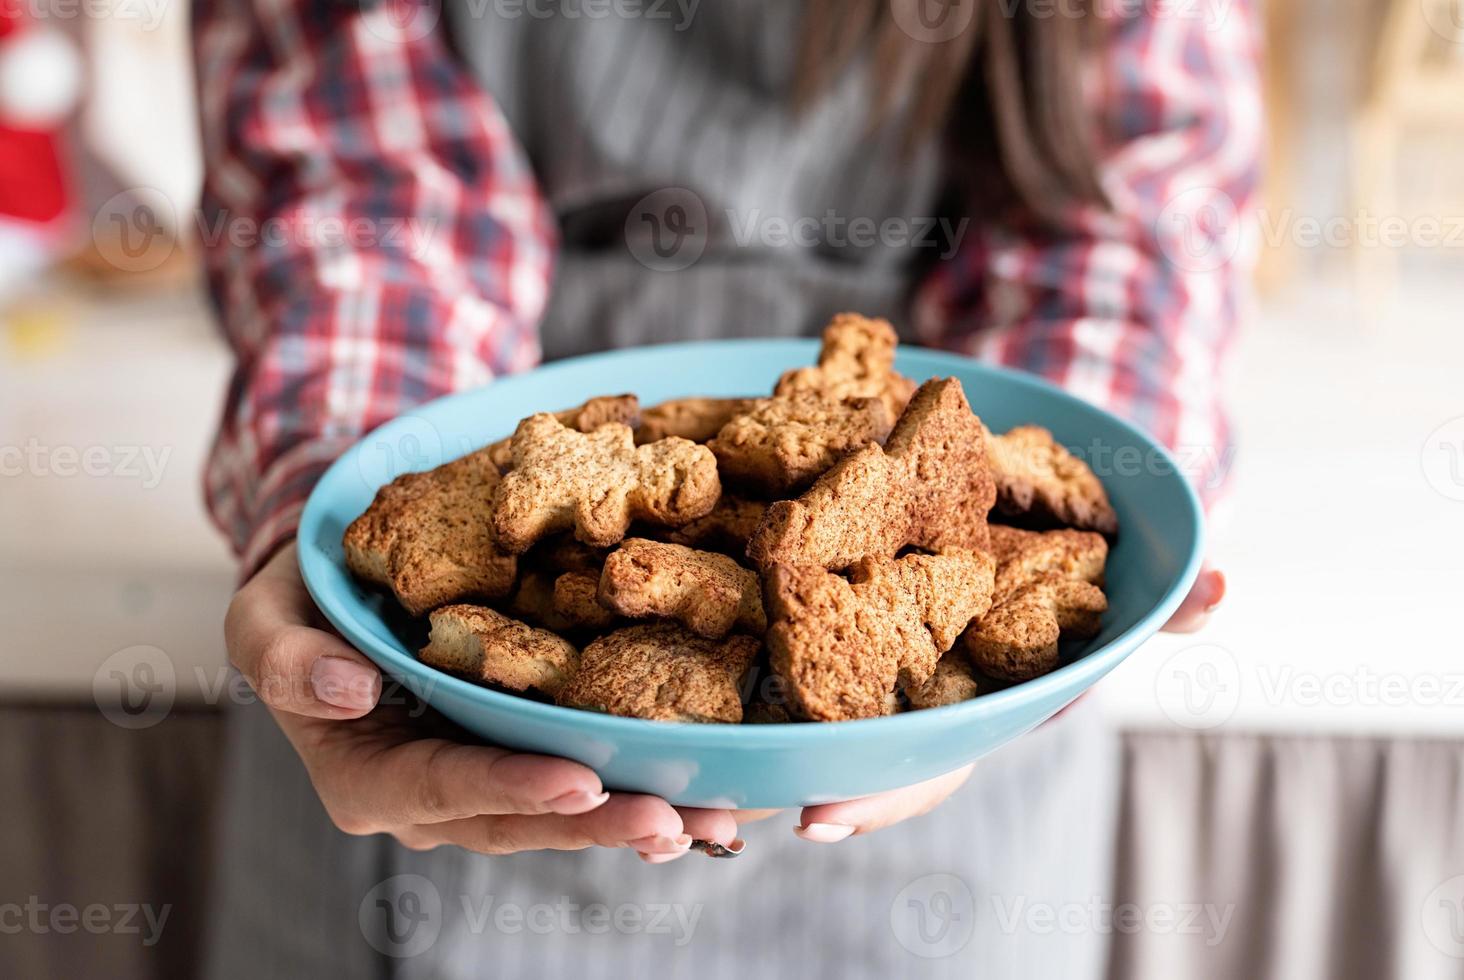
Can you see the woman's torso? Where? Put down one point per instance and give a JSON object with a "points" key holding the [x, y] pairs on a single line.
{"points": [[692, 200]]}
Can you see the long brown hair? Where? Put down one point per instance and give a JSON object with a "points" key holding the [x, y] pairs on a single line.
{"points": [[1004, 89]]}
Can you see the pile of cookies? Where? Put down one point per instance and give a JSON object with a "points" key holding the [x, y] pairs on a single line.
{"points": [[818, 555]]}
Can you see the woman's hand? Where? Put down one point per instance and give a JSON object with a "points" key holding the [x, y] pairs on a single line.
{"points": [[1203, 597], [382, 772]]}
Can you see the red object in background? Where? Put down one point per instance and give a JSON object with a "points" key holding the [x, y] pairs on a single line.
{"points": [[33, 185]]}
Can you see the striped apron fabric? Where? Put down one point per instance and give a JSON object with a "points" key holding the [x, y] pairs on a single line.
{"points": [[692, 203]]}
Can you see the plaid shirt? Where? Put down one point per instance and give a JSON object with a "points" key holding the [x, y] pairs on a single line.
{"points": [[319, 118]]}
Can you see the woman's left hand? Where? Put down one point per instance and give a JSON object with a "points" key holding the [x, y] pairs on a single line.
{"points": [[833, 822]]}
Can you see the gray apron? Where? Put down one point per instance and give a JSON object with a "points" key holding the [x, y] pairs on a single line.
{"points": [[692, 204]]}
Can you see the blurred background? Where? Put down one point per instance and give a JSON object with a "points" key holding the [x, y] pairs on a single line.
{"points": [[1298, 766]]}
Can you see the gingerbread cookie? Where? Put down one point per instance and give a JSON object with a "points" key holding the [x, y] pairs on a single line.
{"points": [[725, 529], [597, 482], [662, 672], [953, 682], [487, 646], [624, 409], [428, 537], [784, 444], [1038, 478], [1047, 583], [857, 361], [565, 602], [697, 419], [708, 593], [841, 646], [1017, 639], [928, 487]]}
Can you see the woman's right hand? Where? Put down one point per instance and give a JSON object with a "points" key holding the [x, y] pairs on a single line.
{"points": [[378, 770]]}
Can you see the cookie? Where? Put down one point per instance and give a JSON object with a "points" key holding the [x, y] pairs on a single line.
{"points": [[588, 417], [483, 645], [428, 537], [662, 672], [1018, 639], [725, 529], [857, 361], [596, 483], [697, 419], [1047, 584], [953, 682], [565, 602], [1037, 478], [1022, 557], [708, 593], [783, 444], [841, 645], [929, 487]]}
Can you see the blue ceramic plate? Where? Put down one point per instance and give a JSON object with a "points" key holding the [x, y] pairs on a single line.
{"points": [[1150, 569]]}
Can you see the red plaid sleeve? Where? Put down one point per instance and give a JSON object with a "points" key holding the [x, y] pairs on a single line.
{"points": [[1133, 309], [372, 235]]}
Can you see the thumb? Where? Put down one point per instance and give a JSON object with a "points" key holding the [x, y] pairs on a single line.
{"points": [[291, 665]]}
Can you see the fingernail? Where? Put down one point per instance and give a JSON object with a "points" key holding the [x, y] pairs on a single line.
{"points": [[344, 683], [661, 844], [824, 833], [663, 858], [576, 801]]}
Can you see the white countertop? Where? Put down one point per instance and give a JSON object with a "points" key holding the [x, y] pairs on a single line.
{"points": [[1345, 564]]}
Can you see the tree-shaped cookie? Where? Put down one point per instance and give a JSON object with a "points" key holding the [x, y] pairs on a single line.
{"points": [[929, 486], [597, 482]]}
